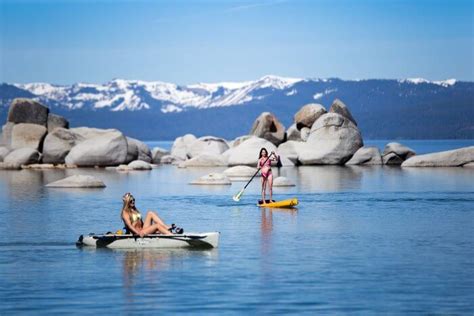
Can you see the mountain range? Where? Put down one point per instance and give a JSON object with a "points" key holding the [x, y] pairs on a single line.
{"points": [[384, 108]]}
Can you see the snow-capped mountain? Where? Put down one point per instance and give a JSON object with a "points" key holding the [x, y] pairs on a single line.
{"points": [[119, 94], [384, 108]]}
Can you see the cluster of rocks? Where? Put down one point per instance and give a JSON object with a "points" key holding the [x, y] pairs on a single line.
{"points": [[34, 137], [317, 137]]}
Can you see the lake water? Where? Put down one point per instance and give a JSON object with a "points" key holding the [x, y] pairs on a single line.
{"points": [[364, 240]]}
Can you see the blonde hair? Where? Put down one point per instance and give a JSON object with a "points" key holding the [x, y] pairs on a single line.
{"points": [[127, 200]]}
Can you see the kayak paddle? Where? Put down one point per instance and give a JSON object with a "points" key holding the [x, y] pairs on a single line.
{"points": [[237, 197]]}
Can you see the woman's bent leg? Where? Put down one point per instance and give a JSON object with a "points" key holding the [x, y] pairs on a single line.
{"points": [[156, 219], [156, 228]]}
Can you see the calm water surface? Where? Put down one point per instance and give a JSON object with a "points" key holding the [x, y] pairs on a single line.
{"points": [[366, 240]]}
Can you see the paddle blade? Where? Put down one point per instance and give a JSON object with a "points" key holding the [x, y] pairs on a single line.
{"points": [[236, 197]]}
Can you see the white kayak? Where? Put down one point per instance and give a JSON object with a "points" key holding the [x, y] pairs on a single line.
{"points": [[127, 241]]}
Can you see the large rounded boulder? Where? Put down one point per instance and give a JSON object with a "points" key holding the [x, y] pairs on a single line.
{"points": [[333, 140], [108, 149], [137, 150], [268, 127], [340, 108], [28, 111], [28, 135], [366, 156], [56, 121], [308, 114], [22, 156], [290, 150], [246, 153], [396, 153], [207, 145], [157, 153], [57, 145], [181, 145]]}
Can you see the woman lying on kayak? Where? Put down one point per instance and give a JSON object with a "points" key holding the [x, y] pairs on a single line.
{"points": [[265, 163], [151, 225]]}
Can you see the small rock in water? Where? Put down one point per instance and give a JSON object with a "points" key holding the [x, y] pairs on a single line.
{"points": [[39, 166], [78, 181], [212, 179], [139, 165], [282, 182]]}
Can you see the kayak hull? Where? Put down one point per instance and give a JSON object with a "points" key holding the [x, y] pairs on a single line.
{"points": [[155, 241], [290, 203]]}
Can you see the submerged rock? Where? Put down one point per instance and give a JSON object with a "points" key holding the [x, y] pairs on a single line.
{"points": [[450, 158], [78, 181], [212, 179], [282, 182]]}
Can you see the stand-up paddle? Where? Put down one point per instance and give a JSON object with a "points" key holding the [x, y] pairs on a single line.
{"points": [[237, 197]]}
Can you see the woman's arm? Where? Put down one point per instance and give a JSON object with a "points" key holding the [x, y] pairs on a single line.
{"points": [[128, 224]]}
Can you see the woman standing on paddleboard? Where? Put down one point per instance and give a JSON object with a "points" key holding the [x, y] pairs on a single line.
{"points": [[151, 225], [265, 163]]}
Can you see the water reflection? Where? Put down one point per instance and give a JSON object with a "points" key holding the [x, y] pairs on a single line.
{"points": [[266, 224], [149, 263], [328, 178]]}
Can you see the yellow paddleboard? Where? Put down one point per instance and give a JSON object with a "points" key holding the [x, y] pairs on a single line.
{"points": [[290, 203]]}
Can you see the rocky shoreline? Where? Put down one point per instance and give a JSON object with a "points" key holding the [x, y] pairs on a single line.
{"points": [[34, 138]]}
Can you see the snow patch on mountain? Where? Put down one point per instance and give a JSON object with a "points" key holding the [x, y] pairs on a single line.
{"points": [[319, 95], [443, 83]]}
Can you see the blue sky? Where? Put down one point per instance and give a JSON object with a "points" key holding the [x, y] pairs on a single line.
{"points": [[209, 41]]}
